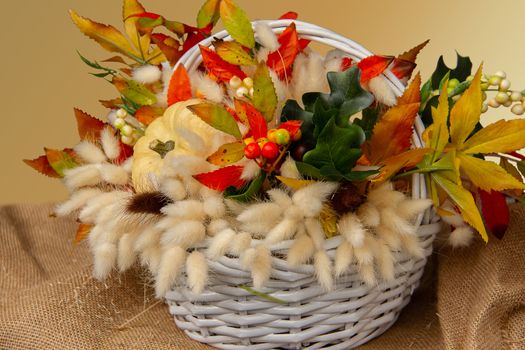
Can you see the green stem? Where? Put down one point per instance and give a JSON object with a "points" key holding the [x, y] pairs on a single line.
{"points": [[421, 171]]}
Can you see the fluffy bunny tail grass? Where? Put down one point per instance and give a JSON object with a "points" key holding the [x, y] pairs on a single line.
{"points": [[171, 264], [197, 271]]}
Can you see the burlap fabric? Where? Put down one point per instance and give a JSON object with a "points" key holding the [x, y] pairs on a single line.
{"points": [[470, 299]]}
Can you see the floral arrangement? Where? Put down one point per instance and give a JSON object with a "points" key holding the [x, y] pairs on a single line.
{"points": [[269, 141]]}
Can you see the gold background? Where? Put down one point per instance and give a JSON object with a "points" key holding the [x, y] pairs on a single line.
{"points": [[42, 78]]}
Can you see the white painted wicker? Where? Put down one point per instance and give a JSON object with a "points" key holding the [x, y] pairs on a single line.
{"points": [[229, 317]]}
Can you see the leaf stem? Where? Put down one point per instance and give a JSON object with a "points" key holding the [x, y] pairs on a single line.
{"points": [[421, 171]]}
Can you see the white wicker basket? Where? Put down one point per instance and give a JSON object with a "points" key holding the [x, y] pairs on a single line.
{"points": [[229, 317]]}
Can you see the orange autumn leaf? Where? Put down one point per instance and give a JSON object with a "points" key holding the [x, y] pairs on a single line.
{"points": [[180, 87], [89, 127], [222, 178], [282, 60], [392, 133], [147, 114], [404, 64], [41, 164], [82, 232], [372, 66], [219, 68], [256, 121], [392, 165]]}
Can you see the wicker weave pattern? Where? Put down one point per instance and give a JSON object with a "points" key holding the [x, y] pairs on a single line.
{"points": [[229, 317]]}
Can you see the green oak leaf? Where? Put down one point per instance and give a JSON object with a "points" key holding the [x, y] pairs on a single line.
{"points": [[336, 147]]}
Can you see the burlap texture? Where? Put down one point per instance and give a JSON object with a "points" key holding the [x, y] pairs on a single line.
{"points": [[470, 299]]}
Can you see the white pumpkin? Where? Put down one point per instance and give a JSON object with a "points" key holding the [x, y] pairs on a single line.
{"points": [[191, 135]]}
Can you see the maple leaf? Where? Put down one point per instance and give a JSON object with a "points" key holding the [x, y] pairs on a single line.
{"points": [[459, 146], [395, 126], [219, 68], [404, 64], [179, 88], [222, 178], [282, 60], [89, 127]]}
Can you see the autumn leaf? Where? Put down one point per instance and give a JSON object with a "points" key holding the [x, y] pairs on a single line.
{"points": [[372, 66], [282, 60], [147, 114], [264, 95], [233, 52], [237, 23], [256, 121], [179, 87], [111, 104], [131, 8], [500, 137], [106, 35], [217, 117], [487, 175], [395, 126], [82, 232], [89, 127], [134, 91], [495, 212], [169, 46], [466, 112], [464, 200], [219, 68], [208, 13], [41, 164], [439, 129], [222, 178], [289, 15], [512, 170], [404, 64], [227, 154], [392, 165], [295, 184], [60, 161]]}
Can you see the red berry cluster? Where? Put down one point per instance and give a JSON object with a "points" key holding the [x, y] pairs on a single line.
{"points": [[269, 147]]}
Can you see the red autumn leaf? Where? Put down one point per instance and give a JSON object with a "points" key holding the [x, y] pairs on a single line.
{"points": [[41, 164], [146, 15], [180, 87], [372, 66], [222, 178], [126, 151], [292, 126], [289, 15], [404, 64], [219, 68], [256, 121], [303, 43], [192, 40], [89, 128], [495, 212], [282, 59], [168, 45], [346, 63]]}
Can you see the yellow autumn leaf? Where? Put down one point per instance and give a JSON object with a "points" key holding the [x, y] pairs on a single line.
{"points": [[439, 129], [487, 175], [107, 36], [464, 200], [295, 184], [130, 8], [466, 111], [500, 137]]}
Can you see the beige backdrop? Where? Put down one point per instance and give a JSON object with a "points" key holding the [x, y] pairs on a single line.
{"points": [[42, 78]]}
